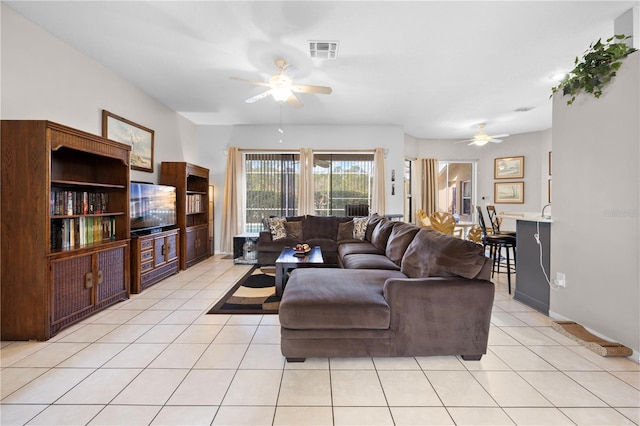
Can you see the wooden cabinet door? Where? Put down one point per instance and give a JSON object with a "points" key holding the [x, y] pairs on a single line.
{"points": [[160, 251], [191, 252], [203, 237], [172, 247], [110, 281], [72, 292]]}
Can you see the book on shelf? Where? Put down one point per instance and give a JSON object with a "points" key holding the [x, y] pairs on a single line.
{"points": [[82, 231], [194, 203], [71, 203]]}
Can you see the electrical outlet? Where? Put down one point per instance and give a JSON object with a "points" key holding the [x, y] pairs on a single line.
{"points": [[561, 279]]}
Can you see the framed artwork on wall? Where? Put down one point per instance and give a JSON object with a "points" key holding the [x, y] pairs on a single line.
{"points": [[548, 190], [508, 192], [549, 163], [138, 137], [508, 168]]}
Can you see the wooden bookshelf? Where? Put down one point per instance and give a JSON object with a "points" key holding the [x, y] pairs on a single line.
{"points": [[52, 279], [192, 206]]}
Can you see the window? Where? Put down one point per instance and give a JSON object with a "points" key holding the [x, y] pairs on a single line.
{"points": [[272, 184], [271, 187], [341, 179]]}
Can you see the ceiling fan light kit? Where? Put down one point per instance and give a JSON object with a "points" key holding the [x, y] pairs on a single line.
{"points": [[281, 86], [481, 138]]}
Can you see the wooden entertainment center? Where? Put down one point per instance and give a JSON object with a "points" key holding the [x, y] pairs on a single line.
{"points": [[154, 257], [65, 227], [192, 204]]}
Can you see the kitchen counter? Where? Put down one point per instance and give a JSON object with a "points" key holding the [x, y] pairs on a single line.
{"points": [[527, 216], [532, 287]]}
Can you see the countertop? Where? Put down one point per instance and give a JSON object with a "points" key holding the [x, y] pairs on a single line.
{"points": [[527, 216]]}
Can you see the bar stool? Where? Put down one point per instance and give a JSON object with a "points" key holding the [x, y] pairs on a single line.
{"points": [[496, 243]]}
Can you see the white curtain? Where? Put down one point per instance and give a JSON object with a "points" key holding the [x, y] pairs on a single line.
{"points": [[378, 192], [305, 197], [233, 204]]}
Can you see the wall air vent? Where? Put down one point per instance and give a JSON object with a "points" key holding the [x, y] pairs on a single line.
{"points": [[323, 49]]}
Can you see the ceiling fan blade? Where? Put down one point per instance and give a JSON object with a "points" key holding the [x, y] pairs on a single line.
{"points": [[466, 140], [304, 88], [495, 140], [503, 135], [259, 83], [294, 101], [258, 97]]}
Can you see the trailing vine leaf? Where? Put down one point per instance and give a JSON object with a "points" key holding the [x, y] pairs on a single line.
{"points": [[598, 66]]}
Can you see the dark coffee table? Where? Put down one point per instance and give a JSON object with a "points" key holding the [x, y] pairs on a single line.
{"points": [[289, 260]]}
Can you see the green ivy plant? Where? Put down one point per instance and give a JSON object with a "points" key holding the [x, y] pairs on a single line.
{"points": [[598, 67]]}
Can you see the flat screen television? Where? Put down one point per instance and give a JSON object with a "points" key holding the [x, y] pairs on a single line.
{"points": [[151, 206]]}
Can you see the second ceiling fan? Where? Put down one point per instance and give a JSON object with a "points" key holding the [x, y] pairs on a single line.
{"points": [[481, 137], [282, 88]]}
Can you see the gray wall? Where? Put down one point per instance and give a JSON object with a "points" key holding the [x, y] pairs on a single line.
{"points": [[595, 232]]}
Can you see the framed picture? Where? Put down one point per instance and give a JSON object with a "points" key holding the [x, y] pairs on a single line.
{"points": [[139, 137], [548, 190], [508, 168], [549, 163], [508, 192]]}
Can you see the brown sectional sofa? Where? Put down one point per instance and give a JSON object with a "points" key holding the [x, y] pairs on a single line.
{"points": [[402, 291]]}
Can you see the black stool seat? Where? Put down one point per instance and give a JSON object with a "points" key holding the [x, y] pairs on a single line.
{"points": [[496, 242]]}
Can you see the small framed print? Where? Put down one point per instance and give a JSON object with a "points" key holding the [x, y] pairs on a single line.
{"points": [[548, 190], [138, 137], [508, 192], [549, 163], [508, 168]]}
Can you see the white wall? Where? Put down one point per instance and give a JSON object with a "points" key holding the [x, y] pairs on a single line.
{"points": [[596, 227], [45, 79], [533, 146], [212, 141]]}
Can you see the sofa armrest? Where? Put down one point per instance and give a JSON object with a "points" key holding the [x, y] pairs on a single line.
{"points": [[265, 236], [440, 315]]}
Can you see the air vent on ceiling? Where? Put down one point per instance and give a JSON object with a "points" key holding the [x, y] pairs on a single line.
{"points": [[323, 49]]}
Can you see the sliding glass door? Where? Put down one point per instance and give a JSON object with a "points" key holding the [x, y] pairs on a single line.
{"points": [[456, 188]]}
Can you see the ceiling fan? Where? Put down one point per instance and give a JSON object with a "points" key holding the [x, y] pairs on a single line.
{"points": [[281, 86], [481, 137]]}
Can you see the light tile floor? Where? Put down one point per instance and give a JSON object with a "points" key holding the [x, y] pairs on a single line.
{"points": [[159, 359]]}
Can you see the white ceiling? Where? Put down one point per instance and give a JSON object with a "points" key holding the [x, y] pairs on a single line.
{"points": [[435, 68]]}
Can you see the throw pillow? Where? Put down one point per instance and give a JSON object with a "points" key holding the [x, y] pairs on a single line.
{"points": [[293, 230], [360, 227], [276, 226], [345, 231]]}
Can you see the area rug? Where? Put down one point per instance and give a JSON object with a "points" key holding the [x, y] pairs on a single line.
{"points": [[255, 293], [578, 333]]}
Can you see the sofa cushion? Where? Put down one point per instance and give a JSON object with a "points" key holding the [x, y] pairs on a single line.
{"points": [[381, 233], [294, 230], [432, 254], [345, 231], [360, 227], [320, 227], [368, 261], [356, 247], [399, 239], [276, 226], [371, 225], [318, 298]]}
